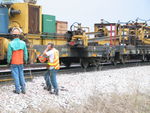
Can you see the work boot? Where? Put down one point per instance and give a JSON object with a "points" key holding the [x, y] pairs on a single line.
{"points": [[24, 92], [14, 91], [54, 92], [48, 88]]}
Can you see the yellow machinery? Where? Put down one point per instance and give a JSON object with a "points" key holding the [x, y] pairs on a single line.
{"points": [[145, 35], [83, 37], [107, 33], [77, 36], [3, 47], [123, 34], [29, 19], [102, 29], [104, 34], [134, 34]]}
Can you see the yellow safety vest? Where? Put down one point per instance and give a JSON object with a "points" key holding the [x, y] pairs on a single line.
{"points": [[55, 63]]}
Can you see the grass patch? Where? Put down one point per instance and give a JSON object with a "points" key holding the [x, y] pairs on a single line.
{"points": [[105, 103]]}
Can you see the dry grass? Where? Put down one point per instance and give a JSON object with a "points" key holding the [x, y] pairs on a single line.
{"points": [[106, 103], [115, 103]]}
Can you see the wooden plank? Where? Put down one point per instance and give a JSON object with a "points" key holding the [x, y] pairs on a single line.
{"points": [[61, 27]]}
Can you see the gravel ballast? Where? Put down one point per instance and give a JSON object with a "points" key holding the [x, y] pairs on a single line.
{"points": [[75, 88]]}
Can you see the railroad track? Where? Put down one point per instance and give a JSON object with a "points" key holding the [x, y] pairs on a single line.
{"points": [[39, 69], [30, 71], [127, 64]]}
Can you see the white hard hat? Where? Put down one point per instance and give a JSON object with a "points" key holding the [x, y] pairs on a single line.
{"points": [[19, 29]]}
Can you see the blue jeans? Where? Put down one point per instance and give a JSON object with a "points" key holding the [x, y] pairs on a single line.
{"points": [[18, 75], [50, 78], [47, 78]]}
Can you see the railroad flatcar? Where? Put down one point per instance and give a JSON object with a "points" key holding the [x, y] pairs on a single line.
{"points": [[73, 45], [112, 42]]}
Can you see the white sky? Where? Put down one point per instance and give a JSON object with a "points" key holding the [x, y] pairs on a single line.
{"points": [[89, 12]]}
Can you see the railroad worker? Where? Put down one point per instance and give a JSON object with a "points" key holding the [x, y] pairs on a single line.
{"points": [[53, 66], [16, 56]]}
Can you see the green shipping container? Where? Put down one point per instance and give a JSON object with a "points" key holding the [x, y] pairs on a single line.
{"points": [[48, 24]]}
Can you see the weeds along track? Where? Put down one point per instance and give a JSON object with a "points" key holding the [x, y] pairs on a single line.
{"points": [[35, 70]]}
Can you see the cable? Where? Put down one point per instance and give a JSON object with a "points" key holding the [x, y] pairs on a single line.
{"points": [[102, 20], [125, 22], [73, 25], [142, 19]]}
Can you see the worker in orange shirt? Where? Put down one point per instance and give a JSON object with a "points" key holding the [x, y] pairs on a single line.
{"points": [[16, 55]]}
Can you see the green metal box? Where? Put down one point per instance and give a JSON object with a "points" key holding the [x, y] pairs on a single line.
{"points": [[48, 23]]}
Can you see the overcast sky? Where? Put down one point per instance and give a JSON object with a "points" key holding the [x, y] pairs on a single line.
{"points": [[89, 12]]}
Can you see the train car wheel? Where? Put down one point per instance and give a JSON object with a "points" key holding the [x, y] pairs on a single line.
{"points": [[84, 64], [148, 58], [144, 58], [99, 67], [122, 60], [67, 64], [113, 61]]}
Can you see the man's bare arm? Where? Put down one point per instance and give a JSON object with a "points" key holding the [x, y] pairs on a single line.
{"points": [[46, 50]]}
